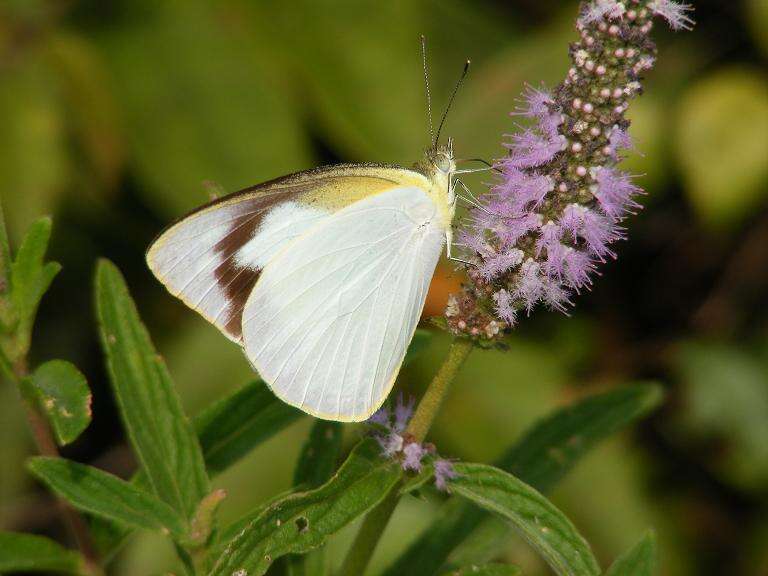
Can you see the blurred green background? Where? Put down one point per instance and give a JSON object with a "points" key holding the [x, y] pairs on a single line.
{"points": [[112, 114]]}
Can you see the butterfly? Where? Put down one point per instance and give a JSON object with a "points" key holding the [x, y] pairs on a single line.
{"points": [[321, 276]]}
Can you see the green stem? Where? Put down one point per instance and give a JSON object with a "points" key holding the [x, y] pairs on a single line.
{"points": [[364, 545], [430, 403], [46, 445]]}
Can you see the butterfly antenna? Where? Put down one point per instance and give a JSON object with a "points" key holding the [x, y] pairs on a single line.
{"points": [[450, 102], [426, 85]]}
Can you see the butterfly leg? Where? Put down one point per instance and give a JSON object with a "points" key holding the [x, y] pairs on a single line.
{"points": [[471, 199], [449, 245]]}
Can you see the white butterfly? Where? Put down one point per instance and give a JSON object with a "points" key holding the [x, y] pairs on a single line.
{"points": [[321, 276]]}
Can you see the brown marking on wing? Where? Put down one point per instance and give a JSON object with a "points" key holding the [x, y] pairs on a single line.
{"points": [[236, 281]]}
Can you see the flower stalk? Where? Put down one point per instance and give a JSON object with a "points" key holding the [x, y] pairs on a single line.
{"points": [[362, 548]]}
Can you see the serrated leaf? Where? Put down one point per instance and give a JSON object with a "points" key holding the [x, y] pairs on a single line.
{"points": [[234, 425], [486, 570], [62, 394], [316, 464], [541, 457], [535, 518], [159, 431], [640, 560], [31, 277], [30, 553], [317, 461], [227, 430], [300, 522], [97, 492]]}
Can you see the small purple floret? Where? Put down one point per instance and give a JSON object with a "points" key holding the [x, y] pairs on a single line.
{"points": [[412, 456], [444, 471]]}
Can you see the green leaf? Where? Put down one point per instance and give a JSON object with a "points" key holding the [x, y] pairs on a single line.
{"points": [[160, 432], [413, 483], [62, 393], [318, 458], [5, 256], [640, 560], [541, 457], [722, 145], [227, 430], [547, 452], [97, 492], [300, 522], [486, 570], [316, 464], [30, 553], [536, 518], [233, 426], [31, 277]]}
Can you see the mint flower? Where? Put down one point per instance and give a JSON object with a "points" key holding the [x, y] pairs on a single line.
{"points": [[559, 202], [390, 432]]}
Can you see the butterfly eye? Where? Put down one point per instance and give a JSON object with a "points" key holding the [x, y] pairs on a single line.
{"points": [[443, 163]]}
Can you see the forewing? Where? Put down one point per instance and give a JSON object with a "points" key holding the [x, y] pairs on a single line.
{"points": [[212, 258], [330, 319]]}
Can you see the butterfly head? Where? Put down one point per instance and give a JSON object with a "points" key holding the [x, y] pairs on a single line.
{"points": [[439, 161]]}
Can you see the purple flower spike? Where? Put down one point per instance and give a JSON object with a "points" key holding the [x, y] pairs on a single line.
{"points": [[444, 471], [557, 205]]}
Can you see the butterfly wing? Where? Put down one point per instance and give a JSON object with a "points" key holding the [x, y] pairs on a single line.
{"points": [[212, 258], [329, 321]]}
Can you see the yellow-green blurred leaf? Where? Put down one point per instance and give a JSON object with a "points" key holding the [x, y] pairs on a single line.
{"points": [[368, 98], [199, 103], [726, 397], [756, 16], [34, 162], [722, 145], [92, 112]]}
